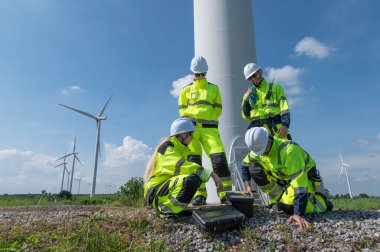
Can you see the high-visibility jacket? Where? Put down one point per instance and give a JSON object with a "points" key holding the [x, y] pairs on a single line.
{"points": [[201, 102], [170, 162], [267, 102], [287, 162]]}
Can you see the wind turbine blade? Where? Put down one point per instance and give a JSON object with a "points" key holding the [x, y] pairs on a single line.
{"points": [[340, 157], [77, 159], [65, 156], [341, 170], [58, 165], [79, 111], [104, 108], [61, 164], [75, 140]]}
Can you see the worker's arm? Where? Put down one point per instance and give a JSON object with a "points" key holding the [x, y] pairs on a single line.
{"points": [[182, 102], [245, 174], [246, 110], [284, 111], [294, 162], [218, 104]]}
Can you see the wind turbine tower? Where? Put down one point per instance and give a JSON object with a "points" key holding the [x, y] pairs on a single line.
{"points": [[224, 35], [79, 180], [99, 118], [344, 165]]}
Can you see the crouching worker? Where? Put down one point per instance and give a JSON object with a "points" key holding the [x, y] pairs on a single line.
{"points": [[170, 181], [286, 173]]}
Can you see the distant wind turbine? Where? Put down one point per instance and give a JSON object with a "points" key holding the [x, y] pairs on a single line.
{"points": [[75, 156], [79, 180], [73, 166], [344, 165], [64, 169], [98, 120]]}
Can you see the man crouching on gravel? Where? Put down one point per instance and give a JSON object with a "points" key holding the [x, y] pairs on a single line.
{"points": [[286, 173]]}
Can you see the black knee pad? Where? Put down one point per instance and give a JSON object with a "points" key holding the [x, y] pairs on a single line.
{"points": [[195, 159], [189, 188], [257, 172], [219, 164]]}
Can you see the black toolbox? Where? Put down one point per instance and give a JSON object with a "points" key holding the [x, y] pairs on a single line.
{"points": [[242, 202], [218, 218]]}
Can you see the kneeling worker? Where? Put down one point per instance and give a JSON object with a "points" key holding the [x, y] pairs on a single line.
{"points": [[170, 181], [286, 173]]}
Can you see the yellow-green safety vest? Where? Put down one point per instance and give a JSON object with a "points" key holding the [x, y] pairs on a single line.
{"points": [[171, 160], [201, 102]]}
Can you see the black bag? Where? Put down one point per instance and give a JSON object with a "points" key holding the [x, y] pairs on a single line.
{"points": [[242, 202], [218, 218]]}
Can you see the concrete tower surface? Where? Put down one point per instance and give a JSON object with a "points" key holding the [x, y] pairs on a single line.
{"points": [[224, 35]]}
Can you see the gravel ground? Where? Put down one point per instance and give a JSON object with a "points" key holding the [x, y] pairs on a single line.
{"points": [[339, 230]]}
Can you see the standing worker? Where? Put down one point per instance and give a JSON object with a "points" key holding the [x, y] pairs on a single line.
{"points": [[201, 102], [170, 181], [286, 173], [265, 104]]}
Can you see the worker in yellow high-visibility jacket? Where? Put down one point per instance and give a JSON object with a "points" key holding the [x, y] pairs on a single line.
{"points": [[170, 181], [286, 173], [201, 102], [265, 104]]}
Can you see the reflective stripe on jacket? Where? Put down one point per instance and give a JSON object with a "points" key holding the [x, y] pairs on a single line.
{"points": [[287, 161], [171, 161], [201, 102], [269, 104]]}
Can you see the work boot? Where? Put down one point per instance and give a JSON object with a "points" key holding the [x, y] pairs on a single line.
{"points": [[168, 217], [198, 201], [329, 205]]}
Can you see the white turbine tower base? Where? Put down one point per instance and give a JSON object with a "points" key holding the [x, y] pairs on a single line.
{"points": [[98, 120], [344, 165]]}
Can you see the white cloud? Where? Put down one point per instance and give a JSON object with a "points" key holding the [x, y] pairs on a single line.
{"points": [[288, 77], [362, 143], [292, 101], [26, 171], [179, 84], [312, 48], [378, 136], [363, 172], [128, 160], [72, 90]]}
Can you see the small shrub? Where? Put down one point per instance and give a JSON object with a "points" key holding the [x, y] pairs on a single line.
{"points": [[132, 192], [65, 195]]}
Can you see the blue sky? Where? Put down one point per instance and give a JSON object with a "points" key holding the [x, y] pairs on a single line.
{"points": [[326, 55]]}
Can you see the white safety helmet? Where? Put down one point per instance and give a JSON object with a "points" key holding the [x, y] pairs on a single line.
{"points": [[181, 125], [256, 139], [250, 69], [198, 65]]}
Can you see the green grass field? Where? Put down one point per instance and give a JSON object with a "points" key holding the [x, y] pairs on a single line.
{"points": [[371, 203], [105, 234], [39, 200]]}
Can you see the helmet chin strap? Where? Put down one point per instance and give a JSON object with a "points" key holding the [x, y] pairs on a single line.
{"points": [[180, 138]]}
